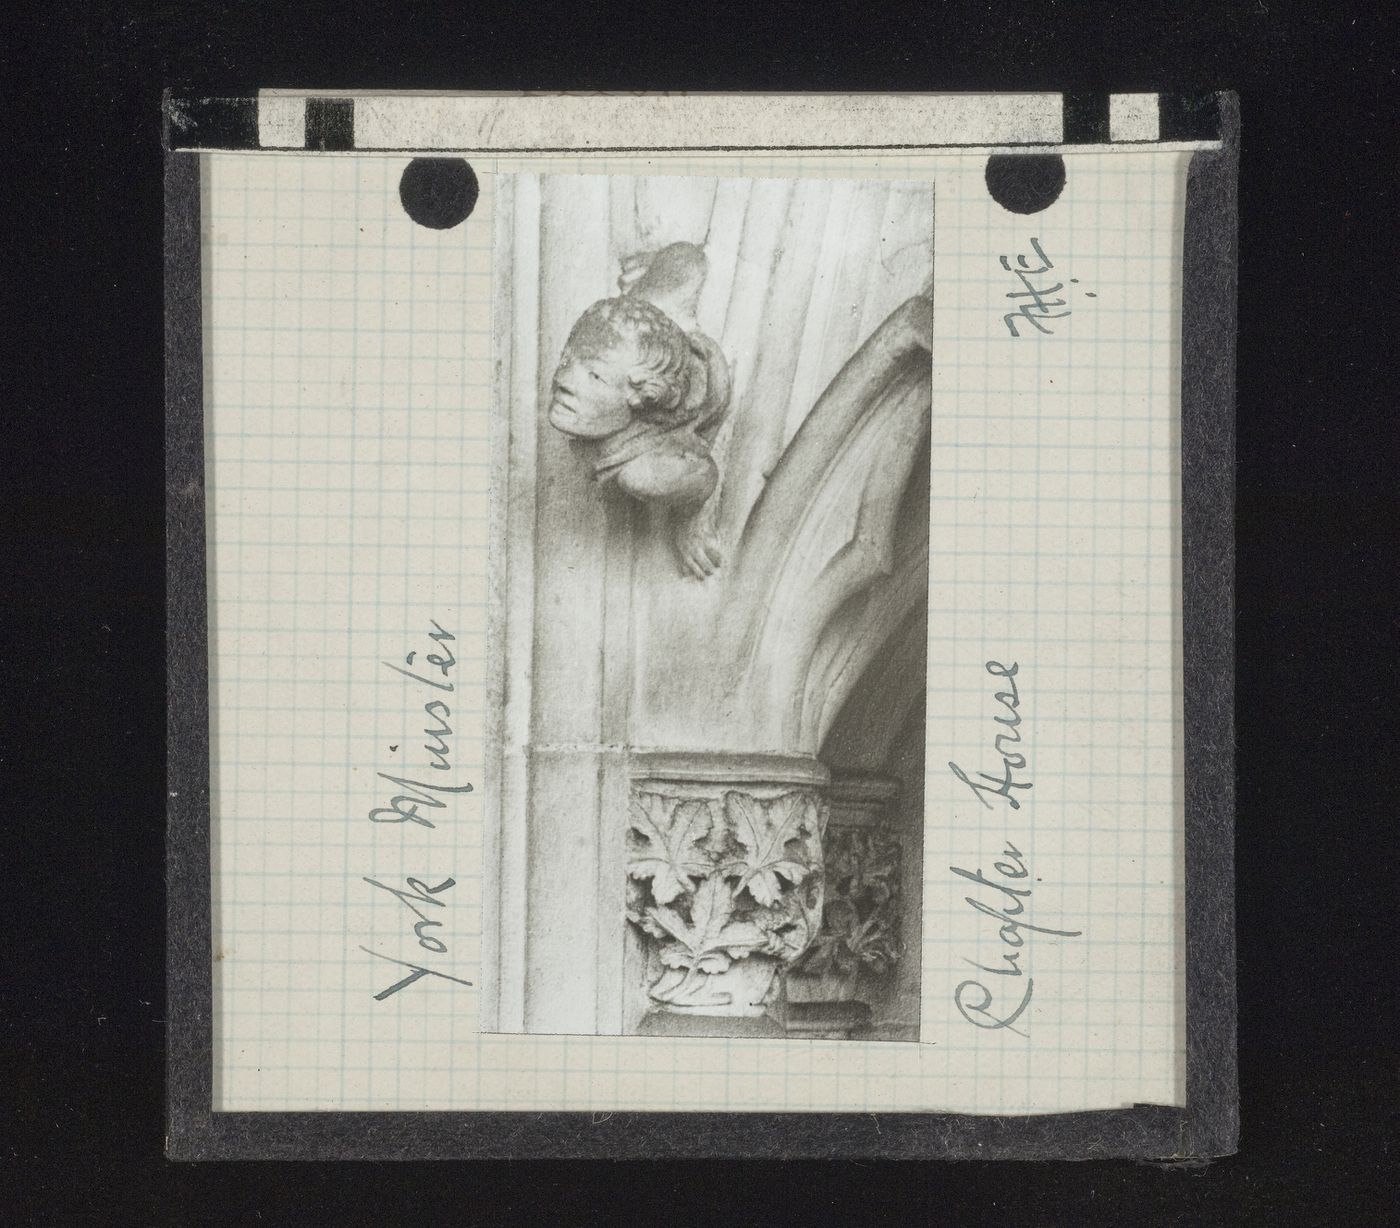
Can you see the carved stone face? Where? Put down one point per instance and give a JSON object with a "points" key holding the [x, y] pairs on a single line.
{"points": [[625, 358], [591, 391]]}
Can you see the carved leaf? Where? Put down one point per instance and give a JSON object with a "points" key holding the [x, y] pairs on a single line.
{"points": [[859, 930], [877, 867], [674, 854], [711, 940], [648, 923], [766, 834]]}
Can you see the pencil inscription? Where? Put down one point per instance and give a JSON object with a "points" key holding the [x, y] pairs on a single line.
{"points": [[1034, 301], [405, 807], [979, 1004], [418, 792], [1006, 745]]}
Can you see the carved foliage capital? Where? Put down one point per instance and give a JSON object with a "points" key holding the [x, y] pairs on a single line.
{"points": [[726, 884]]}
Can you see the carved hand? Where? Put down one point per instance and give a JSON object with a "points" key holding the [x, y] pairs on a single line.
{"points": [[671, 279], [634, 267], [697, 543]]}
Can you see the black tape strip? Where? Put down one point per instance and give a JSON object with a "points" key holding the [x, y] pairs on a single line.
{"points": [[1086, 119], [1189, 117], [211, 123], [189, 923], [330, 124], [1209, 251]]}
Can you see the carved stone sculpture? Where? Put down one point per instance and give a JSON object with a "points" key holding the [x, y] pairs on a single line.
{"points": [[643, 390], [858, 942], [726, 880]]}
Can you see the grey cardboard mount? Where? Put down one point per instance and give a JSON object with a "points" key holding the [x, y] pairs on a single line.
{"points": [[1209, 1124]]}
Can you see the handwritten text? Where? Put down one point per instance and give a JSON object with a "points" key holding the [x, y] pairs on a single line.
{"points": [[1034, 302]]}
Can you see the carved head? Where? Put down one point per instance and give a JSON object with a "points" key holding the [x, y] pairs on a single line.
{"points": [[624, 359]]}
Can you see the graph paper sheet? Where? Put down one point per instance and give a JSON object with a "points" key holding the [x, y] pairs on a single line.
{"points": [[354, 467]]}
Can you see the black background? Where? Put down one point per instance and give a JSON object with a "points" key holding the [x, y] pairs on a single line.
{"points": [[81, 510]]}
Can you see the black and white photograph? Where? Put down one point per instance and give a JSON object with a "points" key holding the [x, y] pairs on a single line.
{"points": [[715, 605]]}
